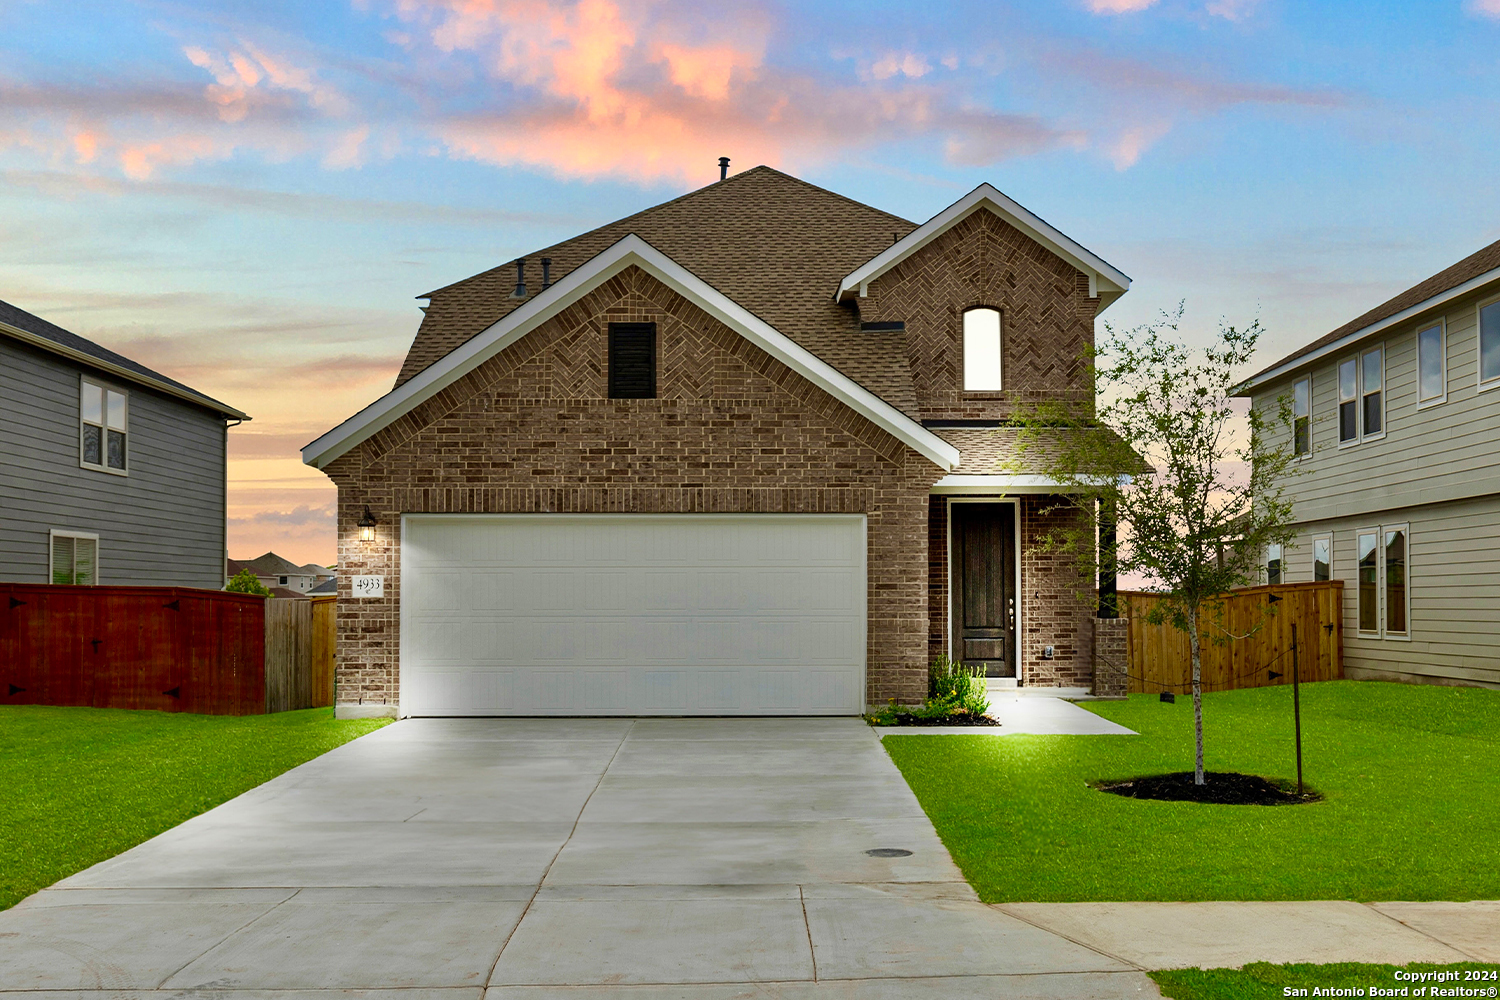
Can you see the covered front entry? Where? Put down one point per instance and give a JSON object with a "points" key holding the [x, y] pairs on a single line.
{"points": [[633, 614], [985, 585]]}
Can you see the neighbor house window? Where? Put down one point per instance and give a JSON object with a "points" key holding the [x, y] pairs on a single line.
{"points": [[1322, 554], [1348, 402], [1302, 417], [982, 350], [1361, 396], [1432, 364], [1273, 563], [1384, 576], [1489, 344], [102, 429], [632, 361], [75, 557], [1372, 378]]}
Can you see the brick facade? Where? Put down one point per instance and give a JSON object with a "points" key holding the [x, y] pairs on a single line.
{"points": [[732, 430], [1046, 315], [1111, 657]]}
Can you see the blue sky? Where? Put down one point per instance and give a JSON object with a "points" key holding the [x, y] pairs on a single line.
{"points": [[249, 196]]}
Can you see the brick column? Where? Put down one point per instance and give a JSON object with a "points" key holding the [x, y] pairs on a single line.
{"points": [[1111, 657]]}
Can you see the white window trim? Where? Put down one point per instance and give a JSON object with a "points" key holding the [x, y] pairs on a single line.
{"points": [[57, 533], [1326, 536], [1442, 325], [1481, 385], [964, 347], [1360, 437], [1405, 528], [1308, 378], [84, 380], [1265, 563], [1381, 597]]}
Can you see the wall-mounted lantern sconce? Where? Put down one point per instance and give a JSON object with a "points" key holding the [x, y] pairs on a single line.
{"points": [[367, 526]]}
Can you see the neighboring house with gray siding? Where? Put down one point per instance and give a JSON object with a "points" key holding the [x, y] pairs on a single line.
{"points": [[110, 473], [1397, 425]]}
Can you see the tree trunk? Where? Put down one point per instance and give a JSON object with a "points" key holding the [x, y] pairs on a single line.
{"points": [[1197, 695]]}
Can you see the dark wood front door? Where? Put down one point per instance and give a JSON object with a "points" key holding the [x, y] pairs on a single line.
{"points": [[984, 582]]}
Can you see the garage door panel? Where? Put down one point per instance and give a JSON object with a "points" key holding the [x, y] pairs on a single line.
{"points": [[632, 614]]}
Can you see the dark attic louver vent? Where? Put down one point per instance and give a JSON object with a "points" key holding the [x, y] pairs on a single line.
{"points": [[632, 361]]}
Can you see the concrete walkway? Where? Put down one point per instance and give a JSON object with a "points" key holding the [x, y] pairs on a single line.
{"points": [[1024, 714], [680, 858]]}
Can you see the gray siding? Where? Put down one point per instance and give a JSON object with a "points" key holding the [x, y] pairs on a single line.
{"points": [[1443, 451], [1454, 576], [161, 525]]}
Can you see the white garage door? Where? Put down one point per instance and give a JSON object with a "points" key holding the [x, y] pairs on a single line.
{"points": [[632, 614]]}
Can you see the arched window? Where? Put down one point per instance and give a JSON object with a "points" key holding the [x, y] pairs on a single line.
{"points": [[982, 350]]}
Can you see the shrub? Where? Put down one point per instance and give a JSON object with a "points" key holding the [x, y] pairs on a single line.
{"points": [[245, 582], [954, 689]]}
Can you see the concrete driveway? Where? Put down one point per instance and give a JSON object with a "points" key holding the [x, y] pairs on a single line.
{"points": [[709, 858]]}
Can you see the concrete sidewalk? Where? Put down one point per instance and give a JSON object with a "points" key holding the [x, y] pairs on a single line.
{"points": [[1231, 934], [1024, 714]]}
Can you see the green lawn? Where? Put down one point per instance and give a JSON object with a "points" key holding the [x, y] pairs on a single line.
{"points": [[1259, 980], [83, 784], [1411, 776]]}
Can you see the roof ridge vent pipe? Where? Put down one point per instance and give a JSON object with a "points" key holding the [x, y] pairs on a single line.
{"points": [[520, 292], [546, 273], [723, 168]]}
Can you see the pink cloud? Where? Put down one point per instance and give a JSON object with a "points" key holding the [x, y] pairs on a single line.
{"points": [[1485, 8], [654, 89], [1118, 6]]}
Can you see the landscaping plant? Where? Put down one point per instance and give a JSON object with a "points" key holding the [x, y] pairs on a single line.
{"points": [[1195, 521], [246, 582], [952, 690]]}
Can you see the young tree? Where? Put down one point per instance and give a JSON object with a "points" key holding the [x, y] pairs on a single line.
{"points": [[246, 582], [1198, 512]]}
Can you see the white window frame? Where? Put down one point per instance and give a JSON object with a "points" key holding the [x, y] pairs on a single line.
{"points": [[1279, 556], [54, 534], [1338, 378], [1359, 395], [1381, 596], [104, 389], [999, 372], [1482, 384], [1326, 536], [1308, 379], [1442, 327]]}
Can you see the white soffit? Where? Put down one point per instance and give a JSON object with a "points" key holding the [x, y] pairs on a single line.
{"points": [[630, 251], [1105, 281], [999, 485]]}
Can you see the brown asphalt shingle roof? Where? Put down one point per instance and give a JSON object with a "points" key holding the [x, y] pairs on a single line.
{"points": [[776, 245], [1467, 269], [997, 451]]}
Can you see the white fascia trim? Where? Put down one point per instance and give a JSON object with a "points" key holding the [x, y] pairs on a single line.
{"points": [[630, 251], [999, 485], [1105, 281], [1344, 342], [122, 372]]}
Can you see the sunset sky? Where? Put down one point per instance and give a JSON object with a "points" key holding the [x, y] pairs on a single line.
{"points": [[249, 196]]}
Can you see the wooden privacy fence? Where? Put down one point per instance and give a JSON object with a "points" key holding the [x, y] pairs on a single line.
{"points": [[1160, 659], [173, 649]]}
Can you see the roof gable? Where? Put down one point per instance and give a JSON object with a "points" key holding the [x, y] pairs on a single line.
{"points": [[631, 251], [1105, 281], [771, 243]]}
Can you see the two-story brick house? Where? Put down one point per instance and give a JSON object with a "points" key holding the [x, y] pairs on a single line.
{"points": [[1398, 485], [740, 453]]}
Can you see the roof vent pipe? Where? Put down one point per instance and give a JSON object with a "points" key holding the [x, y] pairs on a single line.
{"points": [[723, 167], [546, 273], [520, 292]]}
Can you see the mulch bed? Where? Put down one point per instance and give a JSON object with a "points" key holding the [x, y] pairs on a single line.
{"points": [[907, 719], [1226, 788]]}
